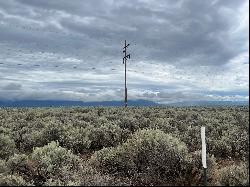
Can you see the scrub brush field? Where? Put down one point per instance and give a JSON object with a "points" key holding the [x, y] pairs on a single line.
{"points": [[123, 146]]}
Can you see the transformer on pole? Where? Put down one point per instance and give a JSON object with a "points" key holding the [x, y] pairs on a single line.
{"points": [[126, 56]]}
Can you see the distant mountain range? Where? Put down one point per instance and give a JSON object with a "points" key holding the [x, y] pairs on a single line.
{"points": [[57, 103], [211, 103]]}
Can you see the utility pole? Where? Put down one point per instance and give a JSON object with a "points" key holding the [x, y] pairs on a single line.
{"points": [[125, 62]]}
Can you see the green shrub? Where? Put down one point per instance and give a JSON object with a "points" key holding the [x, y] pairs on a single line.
{"points": [[18, 163], [33, 139], [3, 166], [234, 175], [148, 151], [12, 180], [53, 130], [232, 143], [90, 176], [107, 135], [191, 137], [193, 172], [7, 146], [55, 162], [239, 143], [69, 136], [83, 129], [75, 139], [4, 130], [163, 125], [57, 182], [129, 123]]}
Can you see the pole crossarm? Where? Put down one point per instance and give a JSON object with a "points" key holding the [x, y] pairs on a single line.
{"points": [[126, 46]]}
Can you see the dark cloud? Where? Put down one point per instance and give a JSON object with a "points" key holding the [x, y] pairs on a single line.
{"points": [[196, 31], [12, 86]]}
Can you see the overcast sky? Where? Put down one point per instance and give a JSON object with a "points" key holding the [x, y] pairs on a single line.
{"points": [[181, 50]]}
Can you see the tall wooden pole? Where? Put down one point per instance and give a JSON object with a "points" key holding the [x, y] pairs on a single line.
{"points": [[125, 63], [126, 96]]}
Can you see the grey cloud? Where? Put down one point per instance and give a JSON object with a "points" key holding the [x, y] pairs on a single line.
{"points": [[12, 86], [180, 96], [149, 95], [189, 33], [195, 31], [40, 95], [174, 96], [81, 7]]}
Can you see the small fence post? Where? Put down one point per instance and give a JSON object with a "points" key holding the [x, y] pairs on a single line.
{"points": [[203, 152]]}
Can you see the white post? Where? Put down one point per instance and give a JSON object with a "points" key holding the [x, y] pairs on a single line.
{"points": [[203, 152]]}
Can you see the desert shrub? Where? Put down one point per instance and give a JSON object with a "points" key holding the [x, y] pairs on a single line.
{"points": [[12, 180], [69, 136], [77, 129], [53, 130], [112, 117], [193, 171], [3, 166], [129, 123], [163, 125], [32, 139], [54, 162], [107, 135], [90, 176], [191, 137], [4, 130], [242, 121], [18, 131], [89, 117], [239, 143], [234, 175], [7, 146], [148, 151], [18, 163], [114, 160], [233, 143], [58, 182], [183, 115], [143, 123], [76, 139]]}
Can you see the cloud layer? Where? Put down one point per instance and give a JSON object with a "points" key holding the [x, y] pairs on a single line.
{"points": [[181, 50]]}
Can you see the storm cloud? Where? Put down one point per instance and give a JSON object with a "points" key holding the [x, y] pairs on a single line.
{"points": [[181, 50]]}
